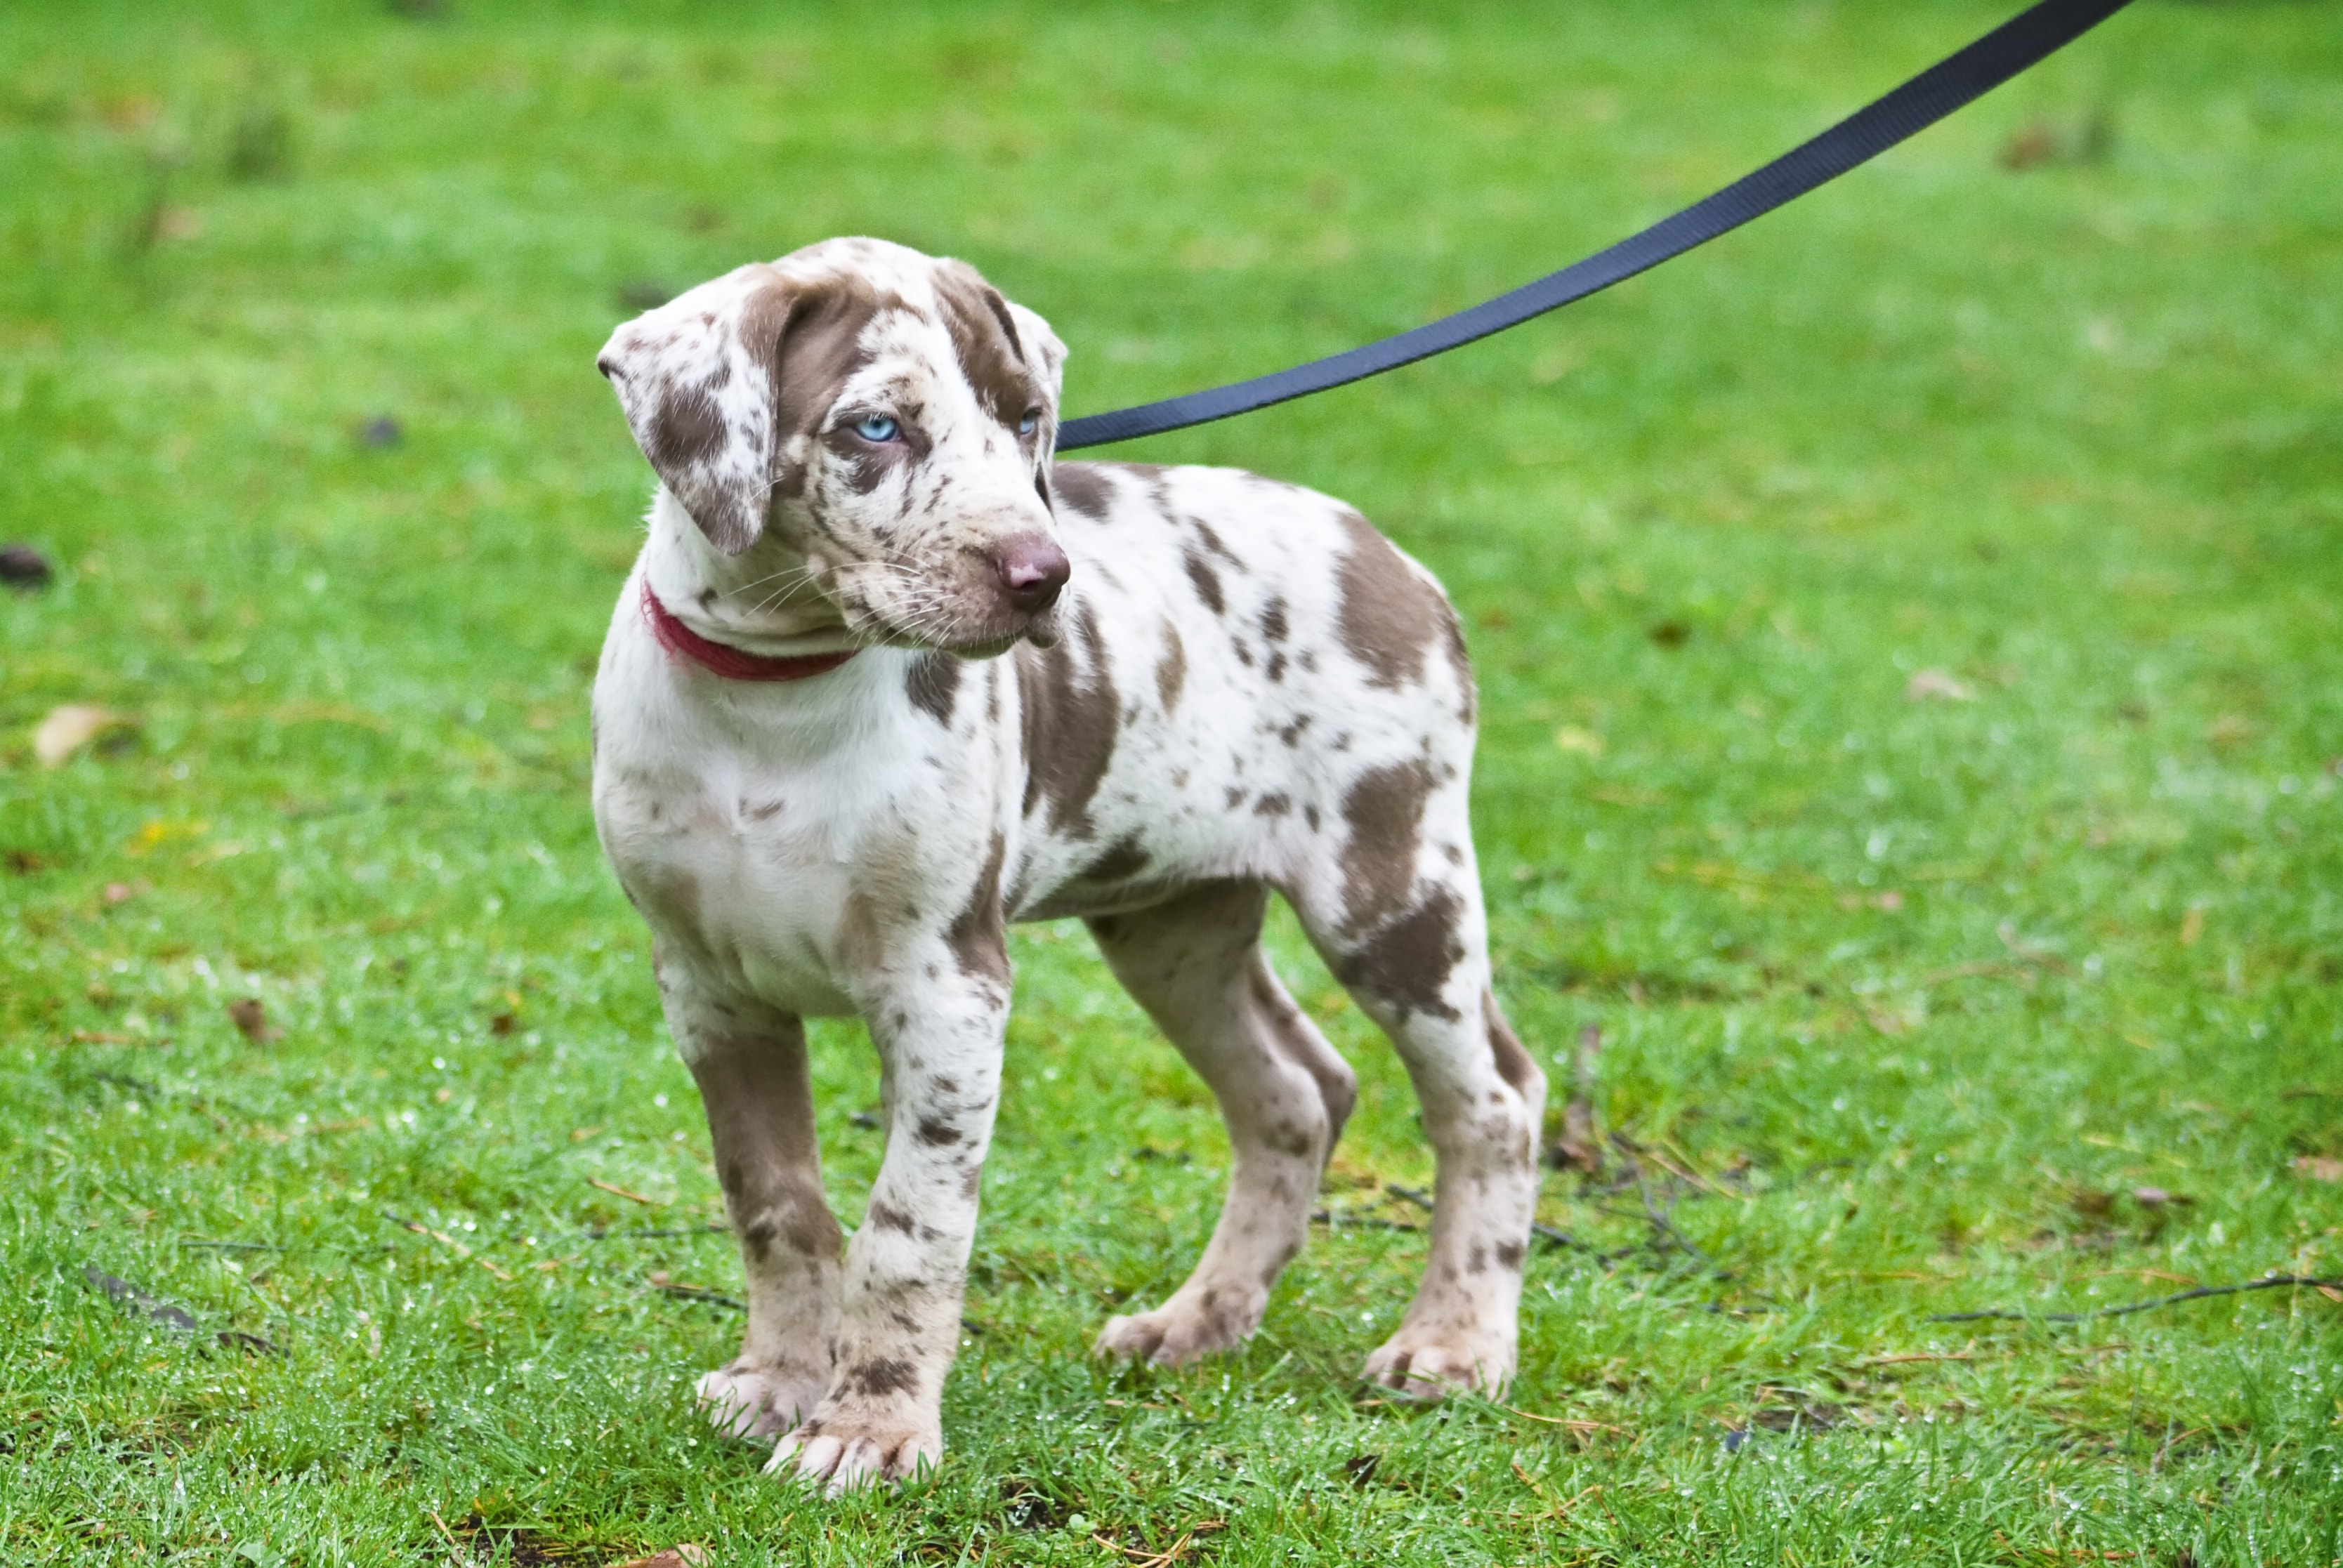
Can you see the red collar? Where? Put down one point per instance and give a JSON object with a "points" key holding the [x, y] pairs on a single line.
{"points": [[731, 663]]}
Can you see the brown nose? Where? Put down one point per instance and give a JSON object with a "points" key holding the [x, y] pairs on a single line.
{"points": [[1032, 569]]}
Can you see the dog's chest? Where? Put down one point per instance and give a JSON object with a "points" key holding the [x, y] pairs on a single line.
{"points": [[745, 846]]}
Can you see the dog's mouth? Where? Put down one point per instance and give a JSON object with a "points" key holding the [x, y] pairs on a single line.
{"points": [[890, 606]]}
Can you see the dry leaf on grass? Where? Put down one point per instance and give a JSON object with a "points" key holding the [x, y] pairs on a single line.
{"points": [[2319, 1167], [690, 1554], [250, 1017], [70, 727], [1940, 684]]}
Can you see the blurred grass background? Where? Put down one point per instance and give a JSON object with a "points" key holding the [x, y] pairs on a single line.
{"points": [[2023, 993]]}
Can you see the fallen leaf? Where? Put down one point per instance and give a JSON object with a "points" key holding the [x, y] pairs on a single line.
{"points": [[123, 892], [23, 862], [1942, 684], [2091, 1203], [2228, 729], [2192, 925], [2156, 1197], [501, 1025], [1670, 634], [70, 727], [24, 569], [690, 1554], [178, 223], [2319, 1167], [250, 1017]]}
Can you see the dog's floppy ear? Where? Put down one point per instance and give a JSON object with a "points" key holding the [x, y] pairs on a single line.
{"points": [[697, 380]]}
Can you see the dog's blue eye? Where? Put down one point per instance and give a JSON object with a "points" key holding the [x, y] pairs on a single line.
{"points": [[877, 427], [1031, 423]]}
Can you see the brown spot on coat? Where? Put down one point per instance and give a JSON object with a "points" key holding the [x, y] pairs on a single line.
{"points": [[985, 342], [932, 680], [1509, 1255], [1384, 810], [1207, 580], [938, 1133], [1408, 961], [1083, 486], [978, 936], [880, 1216], [1070, 716], [1390, 616], [1122, 860], [1172, 669], [879, 1377]]}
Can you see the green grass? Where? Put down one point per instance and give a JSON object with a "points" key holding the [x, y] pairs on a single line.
{"points": [[2072, 434]]}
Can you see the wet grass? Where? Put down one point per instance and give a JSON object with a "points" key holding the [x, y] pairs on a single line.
{"points": [[2022, 995]]}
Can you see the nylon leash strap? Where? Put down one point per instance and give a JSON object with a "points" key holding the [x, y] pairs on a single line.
{"points": [[1960, 79]]}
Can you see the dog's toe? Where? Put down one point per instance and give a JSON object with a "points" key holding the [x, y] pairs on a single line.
{"points": [[1135, 1338], [1423, 1369], [841, 1459], [746, 1401], [1193, 1323]]}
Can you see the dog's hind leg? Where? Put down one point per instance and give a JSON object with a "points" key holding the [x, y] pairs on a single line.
{"points": [[750, 1064], [1196, 966], [1400, 922]]}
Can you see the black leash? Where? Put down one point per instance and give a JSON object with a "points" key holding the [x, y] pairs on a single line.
{"points": [[2017, 44]]}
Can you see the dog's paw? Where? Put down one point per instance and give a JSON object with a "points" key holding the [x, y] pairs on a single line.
{"points": [[842, 1453], [1180, 1330], [1429, 1366], [746, 1401]]}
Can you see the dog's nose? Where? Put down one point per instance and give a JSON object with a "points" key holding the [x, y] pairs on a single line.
{"points": [[1032, 568]]}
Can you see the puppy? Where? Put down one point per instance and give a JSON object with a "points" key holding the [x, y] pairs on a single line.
{"points": [[885, 678]]}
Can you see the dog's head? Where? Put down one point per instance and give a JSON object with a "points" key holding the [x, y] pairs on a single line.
{"points": [[884, 416]]}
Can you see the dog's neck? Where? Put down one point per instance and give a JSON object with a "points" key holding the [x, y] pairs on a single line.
{"points": [[759, 601]]}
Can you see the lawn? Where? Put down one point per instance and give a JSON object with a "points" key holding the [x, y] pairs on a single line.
{"points": [[1913, 691]]}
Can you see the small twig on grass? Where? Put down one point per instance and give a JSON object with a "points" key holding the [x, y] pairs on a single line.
{"points": [[633, 1235], [1143, 1558], [617, 1191], [1346, 1223], [1575, 1427], [694, 1294], [177, 1319], [1538, 1227], [201, 1245], [447, 1241], [1666, 1227], [2006, 1314]]}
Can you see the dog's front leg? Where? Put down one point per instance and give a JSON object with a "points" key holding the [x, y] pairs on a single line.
{"points": [[749, 1062], [907, 1268]]}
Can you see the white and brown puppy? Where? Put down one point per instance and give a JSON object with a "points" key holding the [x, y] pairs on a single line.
{"points": [[886, 679]]}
